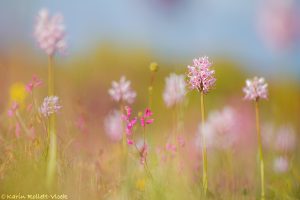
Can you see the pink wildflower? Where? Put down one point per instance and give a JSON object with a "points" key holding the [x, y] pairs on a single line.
{"points": [[50, 106], [200, 76], [34, 83], [50, 32], [143, 154], [256, 89], [121, 91], [12, 111], [175, 90], [129, 122], [130, 141], [171, 148], [145, 118]]}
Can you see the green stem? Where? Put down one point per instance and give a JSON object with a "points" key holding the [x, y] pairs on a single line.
{"points": [[262, 176], [52, 150], [204, 154], [150, 89], [124, 141], [124, 156], [22, 123]]}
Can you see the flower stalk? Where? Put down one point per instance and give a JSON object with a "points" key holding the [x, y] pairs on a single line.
{"points": [[261, 157], [204, 153], [52, 149]]}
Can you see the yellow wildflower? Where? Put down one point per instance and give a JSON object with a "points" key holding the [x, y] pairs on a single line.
{"points": [[140, 184], [18, 92]]}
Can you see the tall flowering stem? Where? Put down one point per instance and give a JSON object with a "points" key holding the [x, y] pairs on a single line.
{"points": [[201, 77], [255, 90]]}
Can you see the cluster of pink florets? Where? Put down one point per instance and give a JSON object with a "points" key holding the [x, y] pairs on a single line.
{"points": [[256, 89], [50, 106], [50, 32], [200, 76], [122, 92]]}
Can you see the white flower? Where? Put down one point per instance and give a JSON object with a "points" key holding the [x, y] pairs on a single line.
{"points": [[122, 91], [175, 90]]}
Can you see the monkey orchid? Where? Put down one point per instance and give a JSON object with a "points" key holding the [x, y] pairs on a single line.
{"points": [[201, 77], [255, 90]]}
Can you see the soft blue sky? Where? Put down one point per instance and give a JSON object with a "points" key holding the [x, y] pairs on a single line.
{"points": [[180, 28]]}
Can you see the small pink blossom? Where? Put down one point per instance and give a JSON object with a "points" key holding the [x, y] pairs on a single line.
{"points": [[12, 111], [171, 148], [281, 165], [50, 32], [143, 154], [256, 89], [34, 83], [200, 76], [113, 125], [50, 106], [175, 90], [130, 141], [122, 92], [145, 118], [129, 122]]}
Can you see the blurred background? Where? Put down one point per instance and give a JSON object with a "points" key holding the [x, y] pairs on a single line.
{"points": [[262, 36]]}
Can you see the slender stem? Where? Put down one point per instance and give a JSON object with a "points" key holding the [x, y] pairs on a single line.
{"points": [[52, 150], [262, 176], [22, 123], [144, 135], [124, 156], [50, 76], [146, 167], [204, 154], [124, 141], [150, 89]]}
